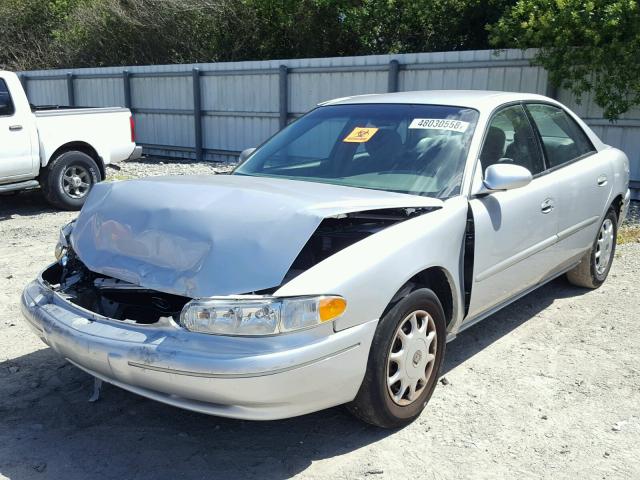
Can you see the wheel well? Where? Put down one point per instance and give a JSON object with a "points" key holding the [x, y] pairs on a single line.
{"points": [[434, 278], [84, 148], [617, 205]]}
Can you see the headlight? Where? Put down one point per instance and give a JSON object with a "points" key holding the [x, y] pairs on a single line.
{"points": [[259, 315], [63, 240]]}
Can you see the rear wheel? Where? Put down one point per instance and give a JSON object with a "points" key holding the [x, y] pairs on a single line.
{"points": [[594, 267], [404, 361], [69, 178]]}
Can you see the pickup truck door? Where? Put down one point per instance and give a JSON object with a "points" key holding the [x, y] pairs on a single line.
{"points": [[583, 174], [16, 159], [514, 229]]}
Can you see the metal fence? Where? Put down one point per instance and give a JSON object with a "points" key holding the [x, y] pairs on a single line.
{"points": [[213, 111]]}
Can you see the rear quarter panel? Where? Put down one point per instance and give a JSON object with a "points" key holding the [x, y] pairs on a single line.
{"points": [[108, 131]]}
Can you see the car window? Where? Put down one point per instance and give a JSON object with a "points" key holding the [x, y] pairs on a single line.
{"points": [[562, 138], [416, 149], [6, 104], [311, 148], [510, 139]]}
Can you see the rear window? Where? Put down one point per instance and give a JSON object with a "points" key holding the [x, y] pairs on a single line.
{"points": [[6, 104]]}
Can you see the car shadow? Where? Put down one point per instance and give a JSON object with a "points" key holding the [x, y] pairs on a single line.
{"points": [[50, 430], [27, 203], [479, 336]]}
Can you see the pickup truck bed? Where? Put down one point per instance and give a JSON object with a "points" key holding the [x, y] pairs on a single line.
{"points": [[64, 150]]}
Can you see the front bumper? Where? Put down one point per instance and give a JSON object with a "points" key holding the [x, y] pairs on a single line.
{"points": [[261, 378]]}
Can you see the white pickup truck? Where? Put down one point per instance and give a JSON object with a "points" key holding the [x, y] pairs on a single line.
{"points": [[62, 150]]}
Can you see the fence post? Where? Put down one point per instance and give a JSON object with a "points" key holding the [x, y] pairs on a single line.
{"points": [[283, 95], [394, 68], [126, 86], [197, 113], [71, 97], [552, 90]]}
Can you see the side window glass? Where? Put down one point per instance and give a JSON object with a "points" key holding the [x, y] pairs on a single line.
{"points": [[6, 104], [510, 139], [562, 138]]}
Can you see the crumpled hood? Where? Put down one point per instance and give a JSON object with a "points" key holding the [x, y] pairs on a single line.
{"points": [[217, 235]]}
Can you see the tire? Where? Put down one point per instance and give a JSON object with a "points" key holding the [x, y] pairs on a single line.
{"points": [[375, 403], [593, 269], [68, 179]]}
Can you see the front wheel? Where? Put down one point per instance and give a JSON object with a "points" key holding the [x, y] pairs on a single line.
{"points": [[69, 178], [405, 358], [594, 267]]}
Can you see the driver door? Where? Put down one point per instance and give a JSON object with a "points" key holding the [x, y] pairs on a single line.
{"points": [[513, 229], [16, 161]]}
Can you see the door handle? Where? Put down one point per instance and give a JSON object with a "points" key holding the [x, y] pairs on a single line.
{"points": [[602, 180], [547, 206], [15, 128]]}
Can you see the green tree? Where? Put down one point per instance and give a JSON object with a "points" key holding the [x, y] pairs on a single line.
{"points": [[78, 33], [134, 32], [26, 31], [587, 46], [401, 26]]}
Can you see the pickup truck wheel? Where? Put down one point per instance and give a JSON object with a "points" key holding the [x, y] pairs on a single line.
{"points": [[594, 267], [405, 358], [69, 178]]}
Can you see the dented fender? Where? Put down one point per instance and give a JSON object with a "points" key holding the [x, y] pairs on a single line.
{"points": [[370, 272]]}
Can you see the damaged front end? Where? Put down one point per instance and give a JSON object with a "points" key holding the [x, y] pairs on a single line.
{"points": [[178, 300], [107, 296], [247, 313], [140, 340]]}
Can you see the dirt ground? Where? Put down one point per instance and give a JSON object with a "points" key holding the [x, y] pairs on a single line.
{"points": [[547, 388]]}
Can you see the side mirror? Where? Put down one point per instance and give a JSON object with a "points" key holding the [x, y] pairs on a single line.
{"points": [[245, 154], [503, 176]]}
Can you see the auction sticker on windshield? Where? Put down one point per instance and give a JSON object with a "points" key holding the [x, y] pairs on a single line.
{"points": [[439, 124], [360, 135]]}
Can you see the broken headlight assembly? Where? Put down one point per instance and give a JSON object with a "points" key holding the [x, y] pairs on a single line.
{"points": [[62, 247], [251, 316]]}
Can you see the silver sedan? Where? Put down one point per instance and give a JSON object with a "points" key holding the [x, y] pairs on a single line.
{"points": [[339, 258]]}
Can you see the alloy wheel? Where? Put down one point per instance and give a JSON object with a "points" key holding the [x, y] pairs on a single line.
{"points": [[76, 181]]}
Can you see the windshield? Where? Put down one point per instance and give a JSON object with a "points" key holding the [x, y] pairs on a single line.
{"points": [[416, 149]]}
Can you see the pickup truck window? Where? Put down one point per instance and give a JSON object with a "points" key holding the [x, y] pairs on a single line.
{"points": [[562, 138], [6, 104], [416, 149]]}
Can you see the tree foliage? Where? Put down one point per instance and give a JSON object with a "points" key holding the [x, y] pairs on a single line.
{"points": [[587, 46], [75, 33]]}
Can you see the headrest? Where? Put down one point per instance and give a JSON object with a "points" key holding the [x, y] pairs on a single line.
{"points": [[493, 145]]}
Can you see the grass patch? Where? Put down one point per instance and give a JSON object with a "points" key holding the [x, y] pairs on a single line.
{"points": [[629, 234]]}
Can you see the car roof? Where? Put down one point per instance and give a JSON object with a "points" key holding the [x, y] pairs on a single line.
{"points": [[478, 99]]}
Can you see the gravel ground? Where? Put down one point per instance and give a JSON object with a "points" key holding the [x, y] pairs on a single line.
{"points": [[149, 166], [547, 388]]}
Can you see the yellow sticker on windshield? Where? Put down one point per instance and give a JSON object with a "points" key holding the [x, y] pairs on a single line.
{"points": [[360, 135]]}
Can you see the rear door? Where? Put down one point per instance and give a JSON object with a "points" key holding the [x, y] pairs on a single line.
{"points": [[583, 175], [15, 143], [515, 229]]}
